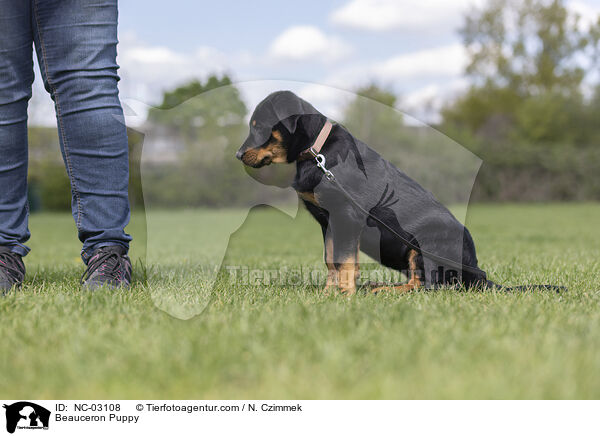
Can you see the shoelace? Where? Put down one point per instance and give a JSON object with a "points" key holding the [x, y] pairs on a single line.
{"points": [[10, 262], [110, 262]]}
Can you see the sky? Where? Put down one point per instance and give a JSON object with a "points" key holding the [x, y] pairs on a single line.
{"points": [[410, 47]]}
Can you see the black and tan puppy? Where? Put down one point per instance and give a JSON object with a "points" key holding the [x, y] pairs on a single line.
{"points": [[371, 206]]}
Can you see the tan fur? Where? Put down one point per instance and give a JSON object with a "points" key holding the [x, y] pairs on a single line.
{"points": [[274, 152], [308, 196], [414, 281], [332, 272], [347, 276], [356, 263]]}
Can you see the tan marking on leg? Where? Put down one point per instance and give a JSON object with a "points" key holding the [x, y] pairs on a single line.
{"points": [[347, 276], [332, 272], [414, 281], [412, 266], [357, 264]]}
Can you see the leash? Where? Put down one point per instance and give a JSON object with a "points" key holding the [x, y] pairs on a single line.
{"points": [[315, 150]]}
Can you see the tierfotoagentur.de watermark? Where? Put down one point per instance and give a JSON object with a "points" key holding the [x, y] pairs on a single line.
{"points": [[303, 276]]}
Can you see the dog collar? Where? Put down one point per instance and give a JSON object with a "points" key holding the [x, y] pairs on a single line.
{"points": [[315, 149]]}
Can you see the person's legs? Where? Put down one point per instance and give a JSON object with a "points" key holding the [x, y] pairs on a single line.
{"points": [[76, 44], [16, 77]]}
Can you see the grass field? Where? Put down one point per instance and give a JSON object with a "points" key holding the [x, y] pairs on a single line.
{"points": [[293, 342]]}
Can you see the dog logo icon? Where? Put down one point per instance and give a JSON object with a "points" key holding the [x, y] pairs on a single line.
{"points": [[26, 415]]}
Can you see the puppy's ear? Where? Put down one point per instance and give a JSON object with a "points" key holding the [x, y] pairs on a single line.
{"points": [[291, 123]]}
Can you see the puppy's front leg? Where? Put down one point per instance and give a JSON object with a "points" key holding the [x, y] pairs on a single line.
{"points": [[345, 235], [415, 264], [332, 272]]}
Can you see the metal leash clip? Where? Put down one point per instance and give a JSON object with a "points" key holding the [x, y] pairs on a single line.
{"points": [[321, 164]]}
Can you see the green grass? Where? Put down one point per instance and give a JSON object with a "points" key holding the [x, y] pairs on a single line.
{"points": [[294, 342]]}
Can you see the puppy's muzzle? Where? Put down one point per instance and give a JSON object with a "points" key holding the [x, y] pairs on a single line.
{"points": [[255, 158]]}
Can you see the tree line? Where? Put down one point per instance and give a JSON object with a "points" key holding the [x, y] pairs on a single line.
{"points": [[531, 113]]}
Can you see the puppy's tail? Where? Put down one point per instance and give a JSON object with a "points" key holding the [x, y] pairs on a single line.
{"points": [[557, 289]]}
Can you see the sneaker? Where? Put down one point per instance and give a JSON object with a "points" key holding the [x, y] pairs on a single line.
{"points": [[109, 266], [12, 269]]}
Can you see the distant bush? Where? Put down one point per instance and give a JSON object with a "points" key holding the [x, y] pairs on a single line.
{"points": [[189, 145], [525, 113], [49, 187]]}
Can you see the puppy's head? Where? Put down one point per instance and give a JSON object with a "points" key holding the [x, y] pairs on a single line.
{"points": [[281, 127], [273, 150]]}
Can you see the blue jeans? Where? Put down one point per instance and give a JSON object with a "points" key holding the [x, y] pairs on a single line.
{"points": [[76, 46]]}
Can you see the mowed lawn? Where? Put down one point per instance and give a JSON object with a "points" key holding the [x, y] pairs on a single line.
{"points": [[282, 342]]}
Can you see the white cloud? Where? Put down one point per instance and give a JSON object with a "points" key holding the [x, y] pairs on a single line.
{"points": [[426, 103], [41, 108], [588, 13], [303, 43], [147, 71], [149, 55], [327, 99], [385, 15], [424, 80], [428, 16], [447, 60], [403, 71]]}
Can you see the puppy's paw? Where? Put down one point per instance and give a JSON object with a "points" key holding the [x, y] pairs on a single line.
{"points": [[379, 289], [396, 289], [328, 289], [347, 292]]}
